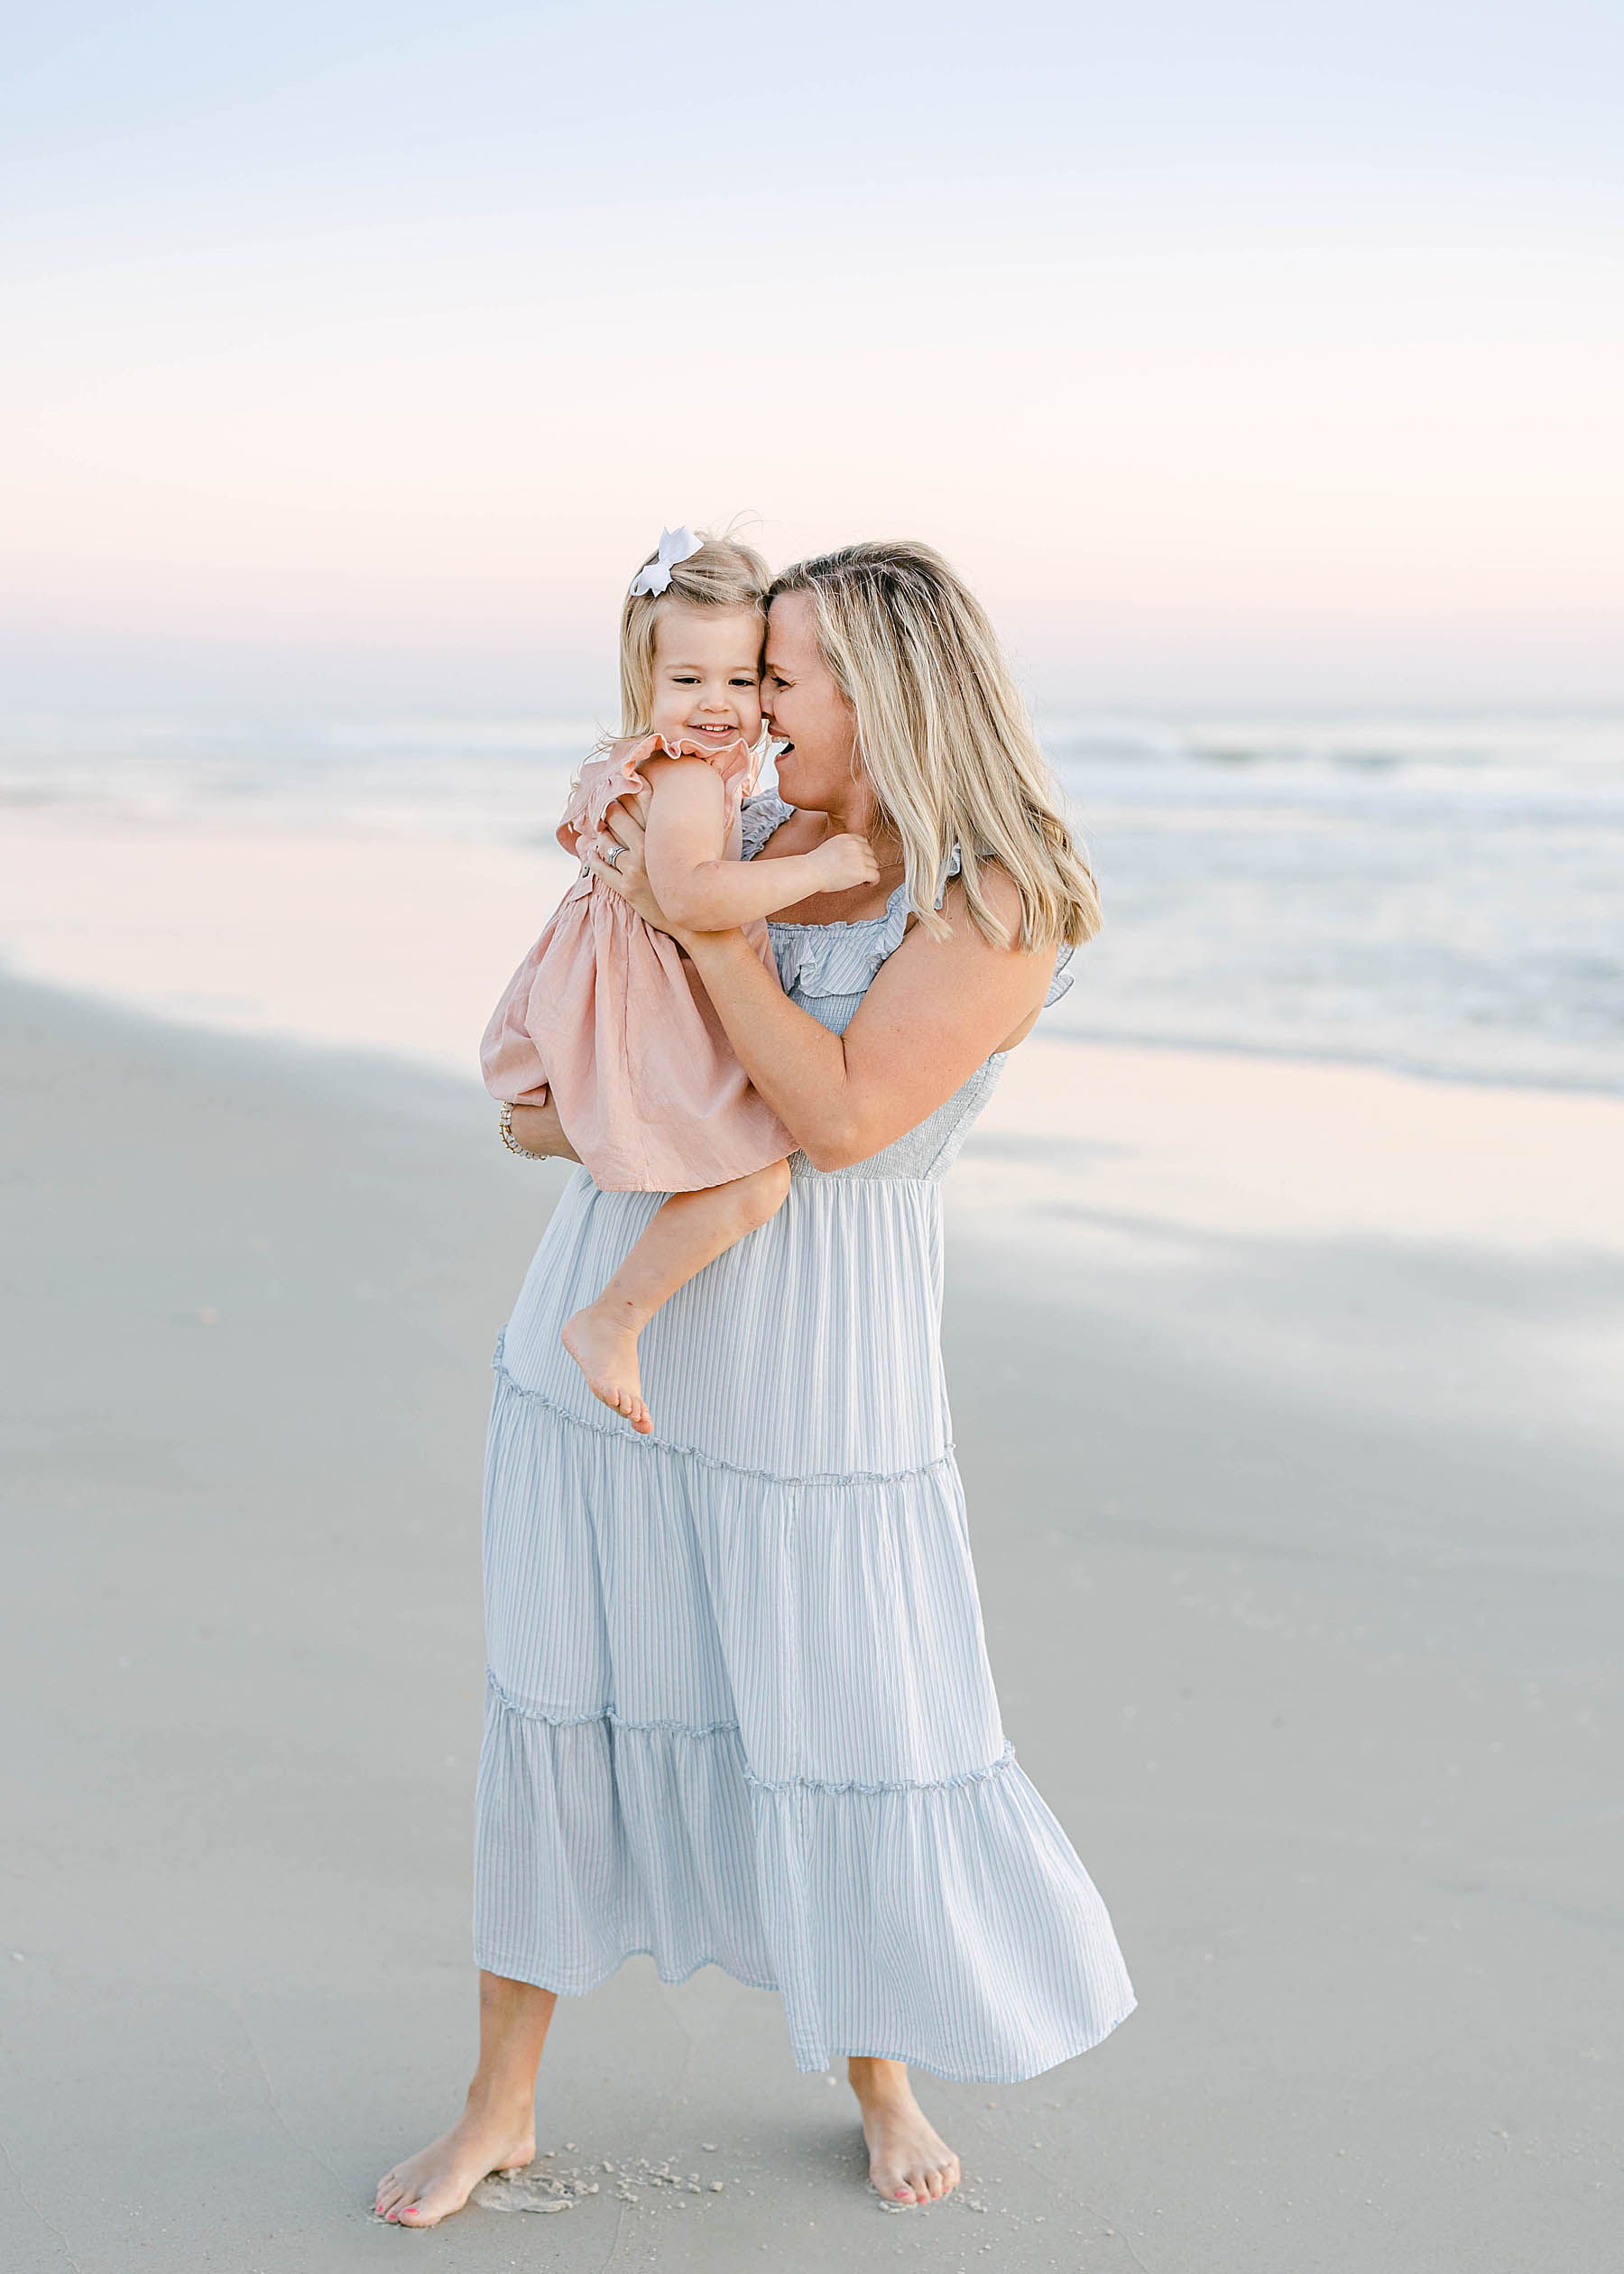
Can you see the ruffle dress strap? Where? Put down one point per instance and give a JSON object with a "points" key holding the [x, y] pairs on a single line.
{"points": [[1062, 981], [900, 908], [844, 959], [759, 816]]}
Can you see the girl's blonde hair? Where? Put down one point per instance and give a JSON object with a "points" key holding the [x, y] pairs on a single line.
{"points": [[944, 738], [722, 574]]}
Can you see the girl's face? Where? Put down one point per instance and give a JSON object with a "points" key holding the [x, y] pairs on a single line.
{"points": [[817, 768], [707, 674]]}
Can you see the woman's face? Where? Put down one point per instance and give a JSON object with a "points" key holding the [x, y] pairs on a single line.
{"points": [[817, 769]]}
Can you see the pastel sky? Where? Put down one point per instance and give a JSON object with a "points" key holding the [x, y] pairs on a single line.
{"points": [[354, 353]]}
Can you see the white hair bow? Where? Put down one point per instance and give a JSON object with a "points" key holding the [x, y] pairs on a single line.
{"points": [[675, 545]]}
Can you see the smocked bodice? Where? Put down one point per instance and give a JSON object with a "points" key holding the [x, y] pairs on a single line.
{"points": [[827, 969]]}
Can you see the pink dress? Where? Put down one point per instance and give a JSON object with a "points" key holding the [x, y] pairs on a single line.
{"points": [[605, 1014]]}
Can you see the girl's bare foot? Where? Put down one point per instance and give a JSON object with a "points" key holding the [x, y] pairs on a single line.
{"points": [[606, 1352], [909, 2162], [429, 2186]]}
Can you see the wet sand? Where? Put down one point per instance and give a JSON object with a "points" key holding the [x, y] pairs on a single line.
{"points": [[1295, 1485]]}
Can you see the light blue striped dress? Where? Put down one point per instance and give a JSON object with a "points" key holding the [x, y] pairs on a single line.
{"points": [[739, 1707]]}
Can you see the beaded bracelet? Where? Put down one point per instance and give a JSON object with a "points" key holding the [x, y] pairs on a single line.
{"points": [[504, 1122]]}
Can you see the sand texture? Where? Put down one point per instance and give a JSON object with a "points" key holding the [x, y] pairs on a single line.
{"points": [[1301, 1544]]}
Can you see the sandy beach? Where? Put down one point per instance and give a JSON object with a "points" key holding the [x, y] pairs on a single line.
{"points": [[1295, 1485], [1182, 440]]}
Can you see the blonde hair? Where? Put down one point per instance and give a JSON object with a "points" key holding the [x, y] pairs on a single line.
{"points": [[723, 574], [944, 738]]}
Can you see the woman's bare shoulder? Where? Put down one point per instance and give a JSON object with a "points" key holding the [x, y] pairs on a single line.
{"points": [[1000, 898], [963, 960], [1001, 894]]}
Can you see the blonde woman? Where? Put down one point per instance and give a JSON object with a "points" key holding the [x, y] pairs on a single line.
{"points": [[740, 1710]]}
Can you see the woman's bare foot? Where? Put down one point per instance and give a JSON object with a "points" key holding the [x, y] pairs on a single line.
{"points": [[909, 2162], [606, 1352], [429, 2186]]}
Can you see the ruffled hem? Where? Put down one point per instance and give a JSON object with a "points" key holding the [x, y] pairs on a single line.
{"points": [[511, 1967], [562, 1717], [622, 1433], [946, 1924]]}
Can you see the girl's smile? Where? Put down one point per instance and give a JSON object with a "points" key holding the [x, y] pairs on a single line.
{"points": [[707, 675]]}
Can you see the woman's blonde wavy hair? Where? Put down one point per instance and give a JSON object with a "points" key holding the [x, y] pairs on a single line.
{"points": [[944, 738], [723, 574]]}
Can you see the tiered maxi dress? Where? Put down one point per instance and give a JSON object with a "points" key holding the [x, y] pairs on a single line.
{"points": [[738, 1708]]}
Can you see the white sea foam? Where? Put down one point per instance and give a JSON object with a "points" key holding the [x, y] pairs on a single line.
{"points": [[1435, 893]]}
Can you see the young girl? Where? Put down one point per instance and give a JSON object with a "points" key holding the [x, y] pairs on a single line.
{"points": [[604, 1011]]}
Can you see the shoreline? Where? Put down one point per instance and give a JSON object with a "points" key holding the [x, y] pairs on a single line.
{"points": [[1216, 1141], [286, 924]]}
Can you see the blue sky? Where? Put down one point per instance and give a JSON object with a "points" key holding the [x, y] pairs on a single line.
{"points": [[1260, 352]]}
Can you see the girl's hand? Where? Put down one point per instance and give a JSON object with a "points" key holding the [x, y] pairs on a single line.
{"points": [[627, 875], [539, 1131], [840, 862]]}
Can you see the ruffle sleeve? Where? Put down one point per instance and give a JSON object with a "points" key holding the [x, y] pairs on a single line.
{"points": [[618, 773]]}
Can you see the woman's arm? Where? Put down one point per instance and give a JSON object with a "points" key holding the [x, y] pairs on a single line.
{"points": [[938, 1009], [697, 887], [539, 1131]]}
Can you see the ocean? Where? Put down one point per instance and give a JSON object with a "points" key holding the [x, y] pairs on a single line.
{"points": [[1438, 894]]}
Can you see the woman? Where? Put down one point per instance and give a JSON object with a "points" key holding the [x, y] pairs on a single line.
{"points": [[740, 1710]]}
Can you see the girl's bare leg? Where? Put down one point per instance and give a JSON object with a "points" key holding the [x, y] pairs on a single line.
{"points": [[497, 2129], [687, 1231], [909, 2161]]}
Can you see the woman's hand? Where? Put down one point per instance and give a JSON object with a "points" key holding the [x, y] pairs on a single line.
{"points": [[627, 875], [938, 1009]]}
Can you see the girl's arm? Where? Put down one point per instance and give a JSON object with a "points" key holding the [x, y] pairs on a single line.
{"points": [[938, 1009], [699, 889]]}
